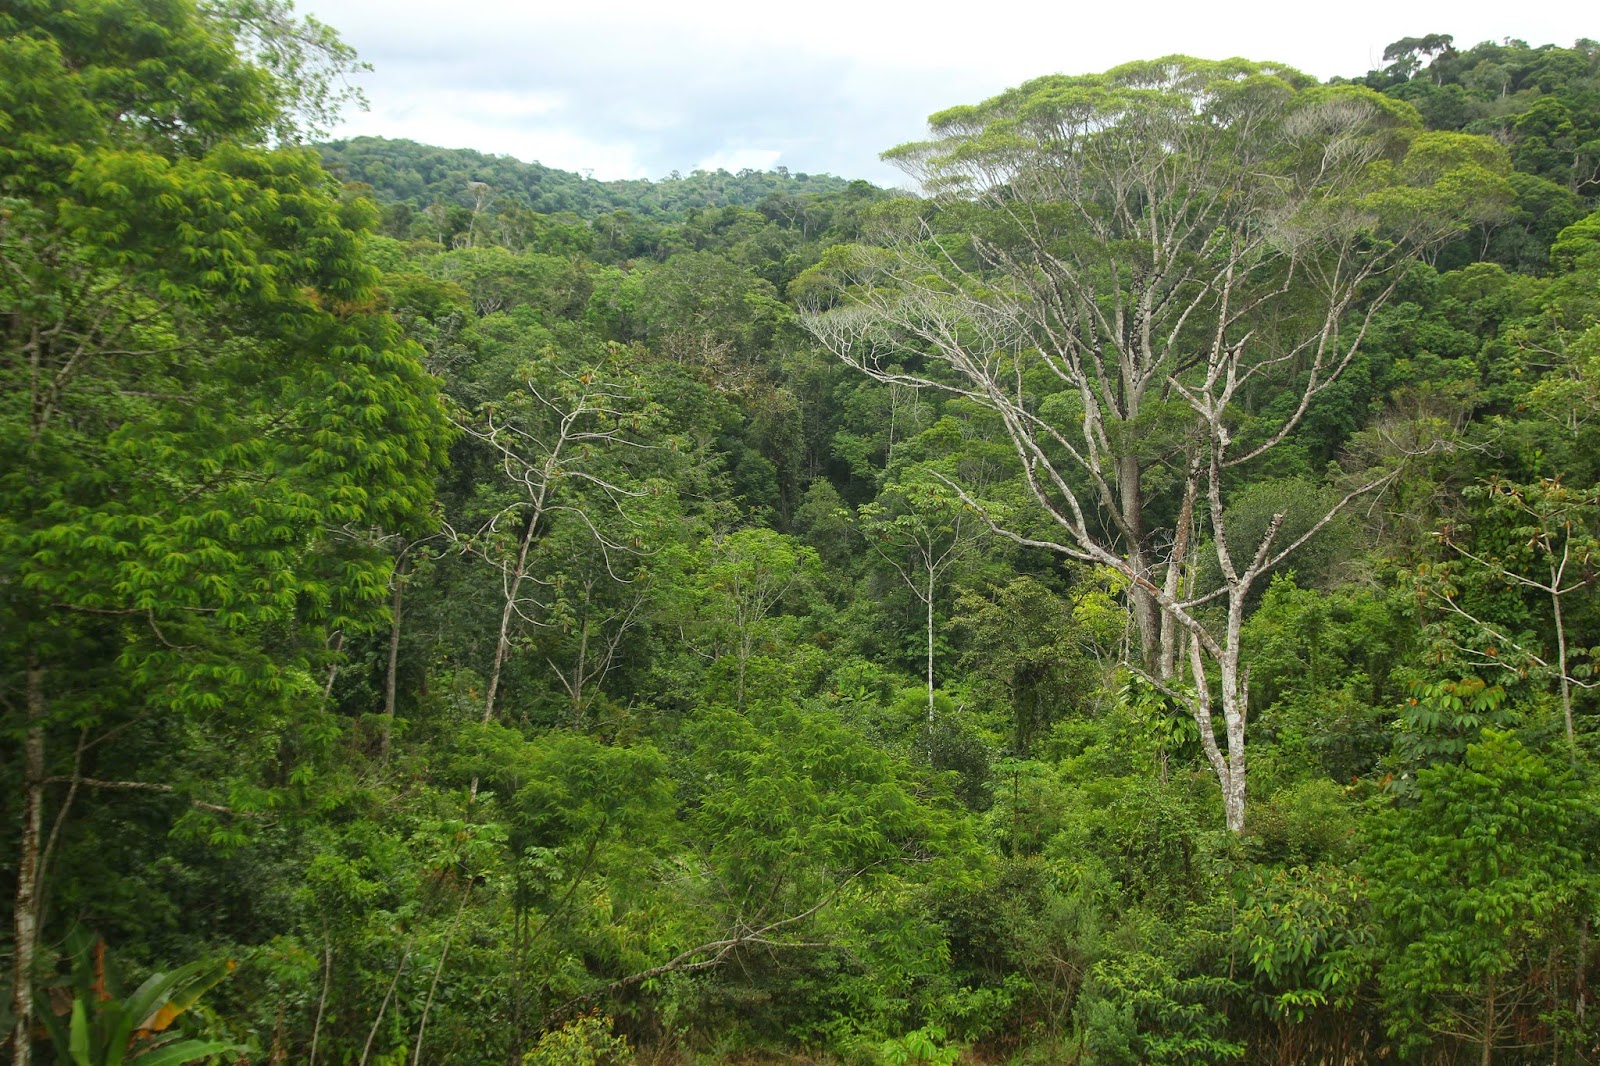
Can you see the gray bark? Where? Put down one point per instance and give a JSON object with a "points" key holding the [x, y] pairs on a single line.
{"points": [[25, 919]]}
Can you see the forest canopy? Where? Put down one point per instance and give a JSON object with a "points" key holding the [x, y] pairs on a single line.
{"points": [[454, 610]]}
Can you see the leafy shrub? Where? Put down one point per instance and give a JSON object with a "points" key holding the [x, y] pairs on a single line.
{"points": [[586, 1040]]}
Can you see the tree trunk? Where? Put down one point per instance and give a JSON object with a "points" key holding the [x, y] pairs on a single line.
{"points": [[322, 1000], [1561, 660], [438, 971], [503, 644], [578, 718], [394, 660], [333, 667], [1201, 710], [383, 1007], [1581, 995], [1146, 611], [25, 920], [1234, 712], [745, 649], [930, 648], [1174, 585], [1490, 1024]]}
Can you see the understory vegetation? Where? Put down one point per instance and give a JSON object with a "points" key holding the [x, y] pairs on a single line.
{"points": [[1134, 602]]}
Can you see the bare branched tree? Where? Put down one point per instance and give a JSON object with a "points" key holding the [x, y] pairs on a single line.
{"points": [[1159, 269], [555, 441]]}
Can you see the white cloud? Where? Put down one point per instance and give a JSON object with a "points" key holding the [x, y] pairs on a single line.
{"points": [[554, 146], [636, 87], [734, 160]]}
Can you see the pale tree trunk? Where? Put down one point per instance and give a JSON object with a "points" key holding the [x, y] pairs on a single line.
{"points": [[1177, 575], [1581, 992], [1490, 1024], [599, 647], [1200, 709], [1561, 659], [1234, 711], [1146, 613], [1146, 610], [503, 644], [333, 667], [579, 719], [438, 971], [746, 647], [929, 602], [393, 668], [383, 1007], [25, 920], [1229, 765], [322, 1000]]}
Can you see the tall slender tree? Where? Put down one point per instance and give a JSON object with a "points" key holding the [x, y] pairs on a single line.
{"points": [[1157, 269]]}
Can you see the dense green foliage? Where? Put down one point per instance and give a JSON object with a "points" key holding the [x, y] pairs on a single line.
{"points": [[429, 190], [468, 614]]}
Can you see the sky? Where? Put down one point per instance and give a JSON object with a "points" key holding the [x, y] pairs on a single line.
{"points": [[636, 89]]}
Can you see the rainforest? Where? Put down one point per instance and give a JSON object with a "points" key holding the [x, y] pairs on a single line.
{"points": [[1129, 596]]}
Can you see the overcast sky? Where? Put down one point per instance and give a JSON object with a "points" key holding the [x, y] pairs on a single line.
{"points": [[631, 89]]}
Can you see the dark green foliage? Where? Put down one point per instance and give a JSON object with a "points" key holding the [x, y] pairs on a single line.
{"points": [[790, 755], [403, 171], [1479, 888]]}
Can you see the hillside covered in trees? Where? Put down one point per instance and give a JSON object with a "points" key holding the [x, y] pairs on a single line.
{"points": [[1133, 602], [417, 176]]}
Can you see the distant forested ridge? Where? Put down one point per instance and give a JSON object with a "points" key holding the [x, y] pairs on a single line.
{"points": [[1135, 600], [1542, 103], [403, 171]]}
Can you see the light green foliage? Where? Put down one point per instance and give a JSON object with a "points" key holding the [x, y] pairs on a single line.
{"points": [[201, 398], [921, 1047], [745, 590], [1541, 98], [1328, 676], [1307, 937], [1136, 1010], [496, 279], [154, 475], [801, 817], [587, 1040], [785, 786], [1535, 548]]}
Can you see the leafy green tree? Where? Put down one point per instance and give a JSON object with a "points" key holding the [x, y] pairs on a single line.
{"points": [[586, 1040], [923, 532], [1540, 99], [1476, 888], [1043, 648], [1329, 667], [1311, 945], [745, 579], [813, 837], [1543, 538], [199, 389]]}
